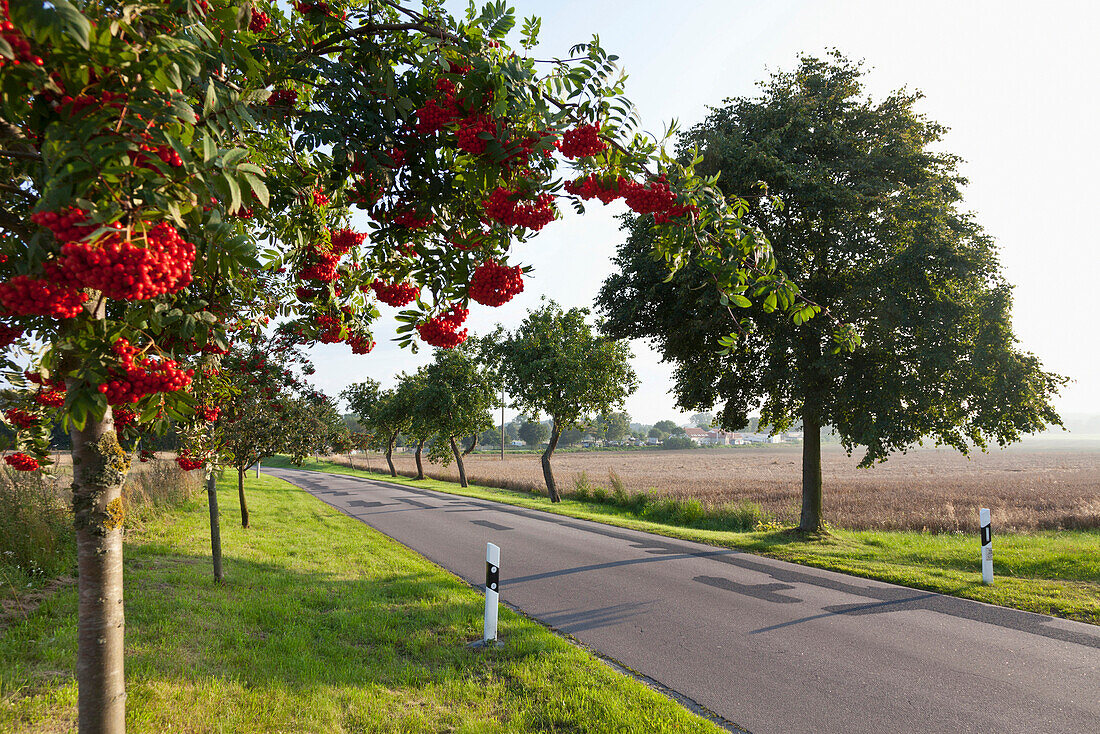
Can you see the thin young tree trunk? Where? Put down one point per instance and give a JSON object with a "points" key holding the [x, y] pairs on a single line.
{"points": [[473, 444], [99, 470], [389, 455], [240, 496], [813, 519], [547, 473], [419, 462], [215, 528], [458, 458]]}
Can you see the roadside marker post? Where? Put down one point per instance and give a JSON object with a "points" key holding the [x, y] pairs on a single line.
{"points": [[987, 546], [492, 592]]}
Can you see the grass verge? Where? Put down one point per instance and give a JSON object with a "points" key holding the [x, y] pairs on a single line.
{"points": [[1047, 572], [323, 625]]}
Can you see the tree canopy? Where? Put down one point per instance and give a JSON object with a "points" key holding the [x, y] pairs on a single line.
{"points": [[867, 220]]}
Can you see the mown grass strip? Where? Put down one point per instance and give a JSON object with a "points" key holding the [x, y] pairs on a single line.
{"points": [[1055, 573], [323, 625]]}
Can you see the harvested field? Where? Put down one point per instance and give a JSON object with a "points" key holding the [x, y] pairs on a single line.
{"points": [[1047, 488]]}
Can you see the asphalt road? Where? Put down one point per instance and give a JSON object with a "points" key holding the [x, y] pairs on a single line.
{"points": [[768, 645]]}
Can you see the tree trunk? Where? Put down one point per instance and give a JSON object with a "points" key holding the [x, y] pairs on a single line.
{"points": [[240, 496], [389, 455], [215, 528], [473, 444], [547, 473], [419, 462], [461, 467], [813, 520], [99, 470]]}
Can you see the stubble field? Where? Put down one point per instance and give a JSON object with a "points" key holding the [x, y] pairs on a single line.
{"points": [[1039, 487]]}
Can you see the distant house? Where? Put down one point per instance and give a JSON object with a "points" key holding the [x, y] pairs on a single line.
{"points": [[519, 443], [698, 435], [652, 441]]}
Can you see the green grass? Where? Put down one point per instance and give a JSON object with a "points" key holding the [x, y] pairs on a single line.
{"points": [[1055, 573], [323, 625]]}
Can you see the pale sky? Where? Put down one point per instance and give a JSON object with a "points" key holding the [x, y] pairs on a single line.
{"points": [[1015, 82]]}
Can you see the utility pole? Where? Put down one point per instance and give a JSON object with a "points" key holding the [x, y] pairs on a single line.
{"points": [[502, 420]]}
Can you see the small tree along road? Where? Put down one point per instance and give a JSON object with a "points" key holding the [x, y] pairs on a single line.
{"points": [[456, 397], [554, 364], [870, 228]]}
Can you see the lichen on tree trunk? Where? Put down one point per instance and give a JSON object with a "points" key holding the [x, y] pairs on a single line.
{"points": [[547, 472], [99, 470]]}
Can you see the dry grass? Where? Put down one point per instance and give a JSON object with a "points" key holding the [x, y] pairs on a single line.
{"points": [[939, 490]]}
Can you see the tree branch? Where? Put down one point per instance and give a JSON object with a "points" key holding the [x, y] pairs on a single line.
{"points": [[21, 155]]}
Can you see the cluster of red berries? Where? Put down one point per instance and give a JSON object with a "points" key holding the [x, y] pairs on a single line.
{"points": [[142, 377], [442, 331], [52, 397], [97, 100], [319, 198], [674, 212], [319, 7], [591, 187], [407, 216], [344, 240], [8, 334], [328, 329], [283, 98], [656, 196], [395, 294], [166, 153], [20, 418], [209, 414], [67, 225], [468, 136], [360, 343], [503, 206], [188, 462], [259, 21], [366, 191], [20, 47], [23, 295], [124, 417], [126, 269], [145, 455], [581, 141], [320, 265], [494, 284], [22, 462]]}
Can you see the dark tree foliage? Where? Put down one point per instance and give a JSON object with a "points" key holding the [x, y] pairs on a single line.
{"points": [[870, 228]]}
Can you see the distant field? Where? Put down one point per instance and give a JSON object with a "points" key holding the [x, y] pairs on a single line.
{"points": [[1047, 485]]}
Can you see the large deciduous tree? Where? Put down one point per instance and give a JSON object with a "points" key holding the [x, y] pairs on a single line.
{"points": [[870, 227], [384, 414], [553, 363]]}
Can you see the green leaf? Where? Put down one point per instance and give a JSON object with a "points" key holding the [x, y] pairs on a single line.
{"points": [[234, 191]]}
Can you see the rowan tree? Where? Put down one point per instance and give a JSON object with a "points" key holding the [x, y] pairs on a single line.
{"points": [[869, 225], [553, 363]]}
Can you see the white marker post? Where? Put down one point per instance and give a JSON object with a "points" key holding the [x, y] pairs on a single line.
{"points": [[257, 469], [987, 546], [492, 592]]}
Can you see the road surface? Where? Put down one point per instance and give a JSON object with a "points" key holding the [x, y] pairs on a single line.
{"points": [[768, 645]]}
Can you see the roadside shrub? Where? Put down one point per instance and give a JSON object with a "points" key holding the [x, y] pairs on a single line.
{"points": [[582, 488], [619, 495]]}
